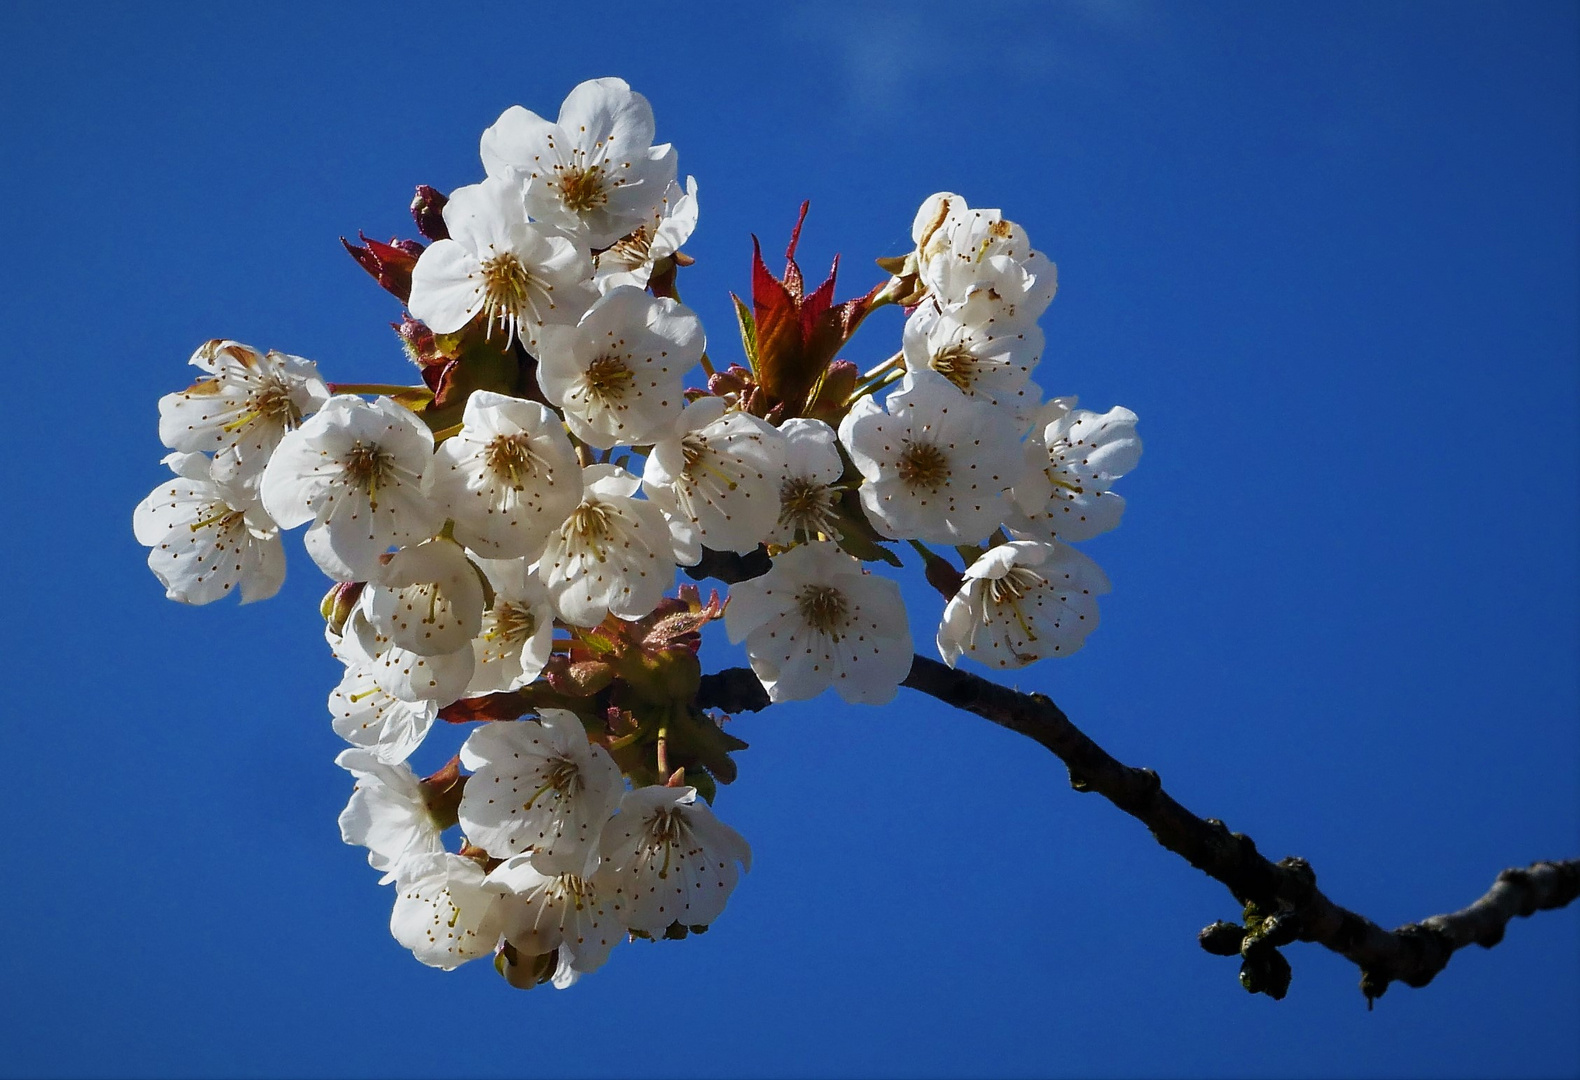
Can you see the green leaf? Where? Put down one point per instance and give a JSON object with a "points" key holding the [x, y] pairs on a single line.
{"points": [[743, 315]]}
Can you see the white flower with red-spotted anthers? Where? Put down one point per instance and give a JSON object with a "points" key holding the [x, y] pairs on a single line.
{"points": [[614, 554], [538, 787], [936, 465], [427, 598], [356, 471], [371, 718], [668, 859], [544, 910], [518, 629], [242, 409], [519, 275], [595, 170], [508, 477], [208, 537], [979, 265], [617, 374], [408, 676], [808, 499], [1020, 602], [631, 259], [446, 912], [387, 814], [986, 364], [716, 476], [1072, 459], [817, 620]]}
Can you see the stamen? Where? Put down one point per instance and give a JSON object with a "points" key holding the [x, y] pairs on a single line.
{"points": [[698, 458], [957, 365], [806, 506], [582, 189], [506, 284], [923, 465], [824, 608], [512, 458], [364, 467], [609, 378]]}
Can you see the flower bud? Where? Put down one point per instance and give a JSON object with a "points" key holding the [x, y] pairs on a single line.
{"points": [[338, 603], [427, 210]]}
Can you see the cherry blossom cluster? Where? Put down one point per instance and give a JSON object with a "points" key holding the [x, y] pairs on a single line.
{"points": [[503, 536]]}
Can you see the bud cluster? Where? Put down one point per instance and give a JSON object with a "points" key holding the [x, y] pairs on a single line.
{"points": [[504, 534]]}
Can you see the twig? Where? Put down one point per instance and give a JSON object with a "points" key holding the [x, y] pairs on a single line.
{"points": [[1282, 901]]}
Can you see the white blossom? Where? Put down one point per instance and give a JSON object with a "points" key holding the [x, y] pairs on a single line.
{"points": [[617, 374], [716, 476], [409, 676], [368, 716], [207, 537], [356, 471], [817, 620], [508, 478], [519, 275], [936, 466], [668, 859], [538, 787], [518, 629], [446, 912], [427, 598], [807, 496], [986, 364], [242, 409], [544, 910], [981, 266], [613, 555], [1072, 459], [387, 813], [630, 260], [1022, 601], [596, 169]]}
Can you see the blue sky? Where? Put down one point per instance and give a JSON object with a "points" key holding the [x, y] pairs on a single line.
{"points": [[1328, 254]]}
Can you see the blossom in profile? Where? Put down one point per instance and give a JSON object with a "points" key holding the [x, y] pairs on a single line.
{"points": [[716, 477], [816, 620], [981, 266], [208, 537], [538, 787], [594, 171], [241, 409], [617, 374], [508, 477], [936, 464], [631, 259], [544, 910], [369, 717], [614, 554], [355, 471], [446, 912], [1072, 459], [520, 276], [807, 496], [668, 859], [387, 813], [517, 634], [1022, 601]]}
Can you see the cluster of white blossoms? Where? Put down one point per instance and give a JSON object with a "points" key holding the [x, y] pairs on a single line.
{"points": [[504, 538]]}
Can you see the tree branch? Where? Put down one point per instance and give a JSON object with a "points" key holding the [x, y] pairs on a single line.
{"points": [[1282, 901]]}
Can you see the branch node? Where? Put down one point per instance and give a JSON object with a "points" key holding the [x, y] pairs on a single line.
{"points": [[1222, 938]]}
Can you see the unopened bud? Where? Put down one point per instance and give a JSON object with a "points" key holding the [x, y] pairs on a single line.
{"points": [[1264, 969], [427, 210], [524, 972], [338, 603], [1222, 938]]}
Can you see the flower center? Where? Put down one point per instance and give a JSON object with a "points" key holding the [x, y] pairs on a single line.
{"points": [[700, 462], [364, 467], [824, 608], [806, 506], [923, 465], [591, 523], [609, 378], [505, 287], [634, 248], [957, 365], [562, 778], [1014, 585], [511, 458], [582, 189], [512, 623]]}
